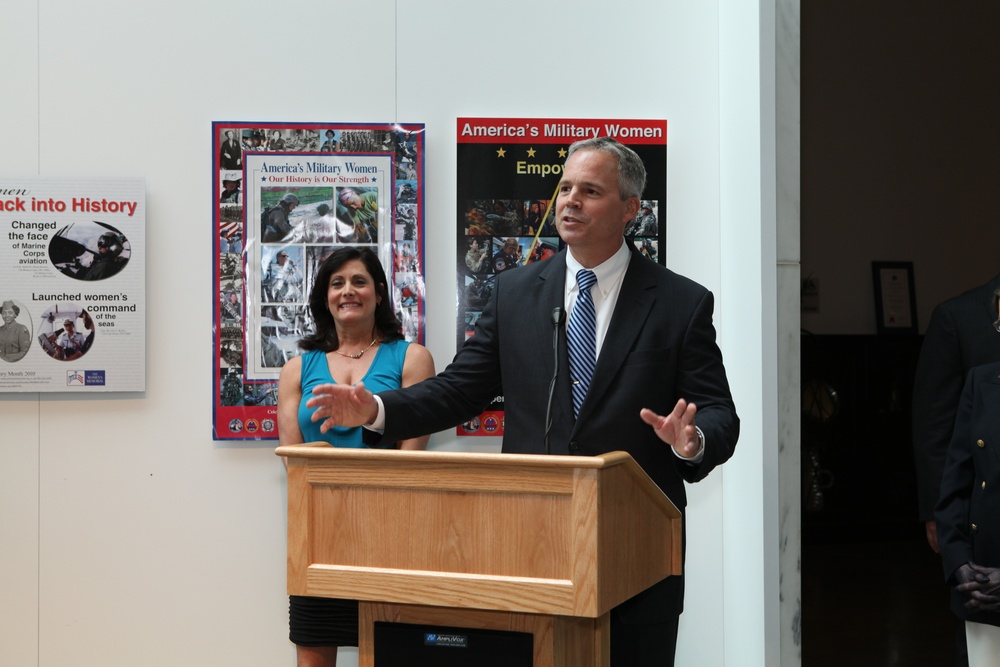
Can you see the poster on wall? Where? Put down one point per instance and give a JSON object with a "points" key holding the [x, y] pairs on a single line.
{"points": [[73, 293], [507, 176], [285, 196]]}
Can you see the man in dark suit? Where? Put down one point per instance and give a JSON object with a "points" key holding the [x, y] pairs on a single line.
{"points": [[966, 514], [658, 389], [959, 337]]}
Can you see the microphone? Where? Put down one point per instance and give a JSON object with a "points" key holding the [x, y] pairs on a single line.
{"points": [[558, 318]]}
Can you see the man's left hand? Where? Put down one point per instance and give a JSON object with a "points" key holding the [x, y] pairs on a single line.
{"points": [[676, 429]]}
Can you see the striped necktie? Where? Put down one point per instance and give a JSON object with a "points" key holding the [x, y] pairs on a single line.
{"points": [[581, 334]]}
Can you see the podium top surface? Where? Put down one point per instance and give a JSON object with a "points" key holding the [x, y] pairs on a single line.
{"points": [[321, 450]]}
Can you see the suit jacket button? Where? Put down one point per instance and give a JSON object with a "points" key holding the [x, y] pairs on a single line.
{"points": [[984, 485], [980, 443], [974, 527], [574, 446]]}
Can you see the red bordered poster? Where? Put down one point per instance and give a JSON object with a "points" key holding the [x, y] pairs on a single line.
{"points": [[508, 172], [277, 193]]}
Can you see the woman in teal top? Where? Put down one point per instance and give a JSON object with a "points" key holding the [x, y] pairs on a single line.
{"points": [[385, 372], [357, 339]]}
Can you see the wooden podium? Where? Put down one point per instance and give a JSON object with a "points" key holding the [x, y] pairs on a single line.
{"points": [[539, 544]]}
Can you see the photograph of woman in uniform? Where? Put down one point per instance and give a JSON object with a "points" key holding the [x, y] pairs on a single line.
{"points": [[14, 336]]}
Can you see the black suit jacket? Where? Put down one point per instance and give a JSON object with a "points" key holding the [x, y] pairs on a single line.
{"points": [[660, 346], [959, 337], [968, 514]]}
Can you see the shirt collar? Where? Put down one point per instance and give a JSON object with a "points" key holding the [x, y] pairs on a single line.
{"points": [[608, 272]]}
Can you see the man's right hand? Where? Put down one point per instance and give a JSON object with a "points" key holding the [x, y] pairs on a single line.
{"points": [[930, 527], [342, 405]]}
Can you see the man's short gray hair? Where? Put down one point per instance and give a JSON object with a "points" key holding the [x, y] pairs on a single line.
{"points": [[631, 170]]}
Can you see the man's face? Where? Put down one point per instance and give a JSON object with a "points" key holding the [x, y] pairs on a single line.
{"points": [[510, 247], [590, 214], [69, 326], [8, 314], [281, 259]]}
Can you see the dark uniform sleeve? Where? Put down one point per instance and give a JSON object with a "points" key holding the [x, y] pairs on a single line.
{"points": [[937, 388]]}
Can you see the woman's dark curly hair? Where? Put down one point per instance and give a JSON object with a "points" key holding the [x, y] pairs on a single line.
{"points": [[325, 337]]}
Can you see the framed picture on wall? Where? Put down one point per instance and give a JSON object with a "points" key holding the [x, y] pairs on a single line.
{"points": [[895, 298]]}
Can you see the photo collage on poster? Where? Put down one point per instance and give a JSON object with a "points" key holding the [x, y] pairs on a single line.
{"points": [[503, 234], [508, 175], [500, 235], [292, 195]]}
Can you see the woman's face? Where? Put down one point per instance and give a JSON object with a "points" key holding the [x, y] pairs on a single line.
{"points": [[352, 295]]}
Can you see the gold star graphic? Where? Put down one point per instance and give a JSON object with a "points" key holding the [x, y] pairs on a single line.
{"points": [[562, 152], [501, 152], [531, 152]]}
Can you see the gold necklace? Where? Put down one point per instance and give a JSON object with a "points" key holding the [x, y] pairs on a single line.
{"points": [[358, 355]]}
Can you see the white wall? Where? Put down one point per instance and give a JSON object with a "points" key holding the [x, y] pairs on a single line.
{"points": [[127, 535]]}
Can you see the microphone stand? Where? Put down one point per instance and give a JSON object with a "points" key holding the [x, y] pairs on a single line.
{"points": [[558, 317]]}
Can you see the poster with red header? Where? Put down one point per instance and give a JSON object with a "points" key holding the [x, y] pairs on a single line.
{"points": [[282, 196], [508, 174]]}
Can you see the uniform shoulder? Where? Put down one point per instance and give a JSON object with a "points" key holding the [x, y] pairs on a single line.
{"points": [[974, 295], [986, 371]]}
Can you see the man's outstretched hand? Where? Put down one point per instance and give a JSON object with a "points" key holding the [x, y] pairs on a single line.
{"points": [[342, 405], [676, 429]]}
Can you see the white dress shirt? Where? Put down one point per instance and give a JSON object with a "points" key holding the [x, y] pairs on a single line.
{"points": [[605, 291]]}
